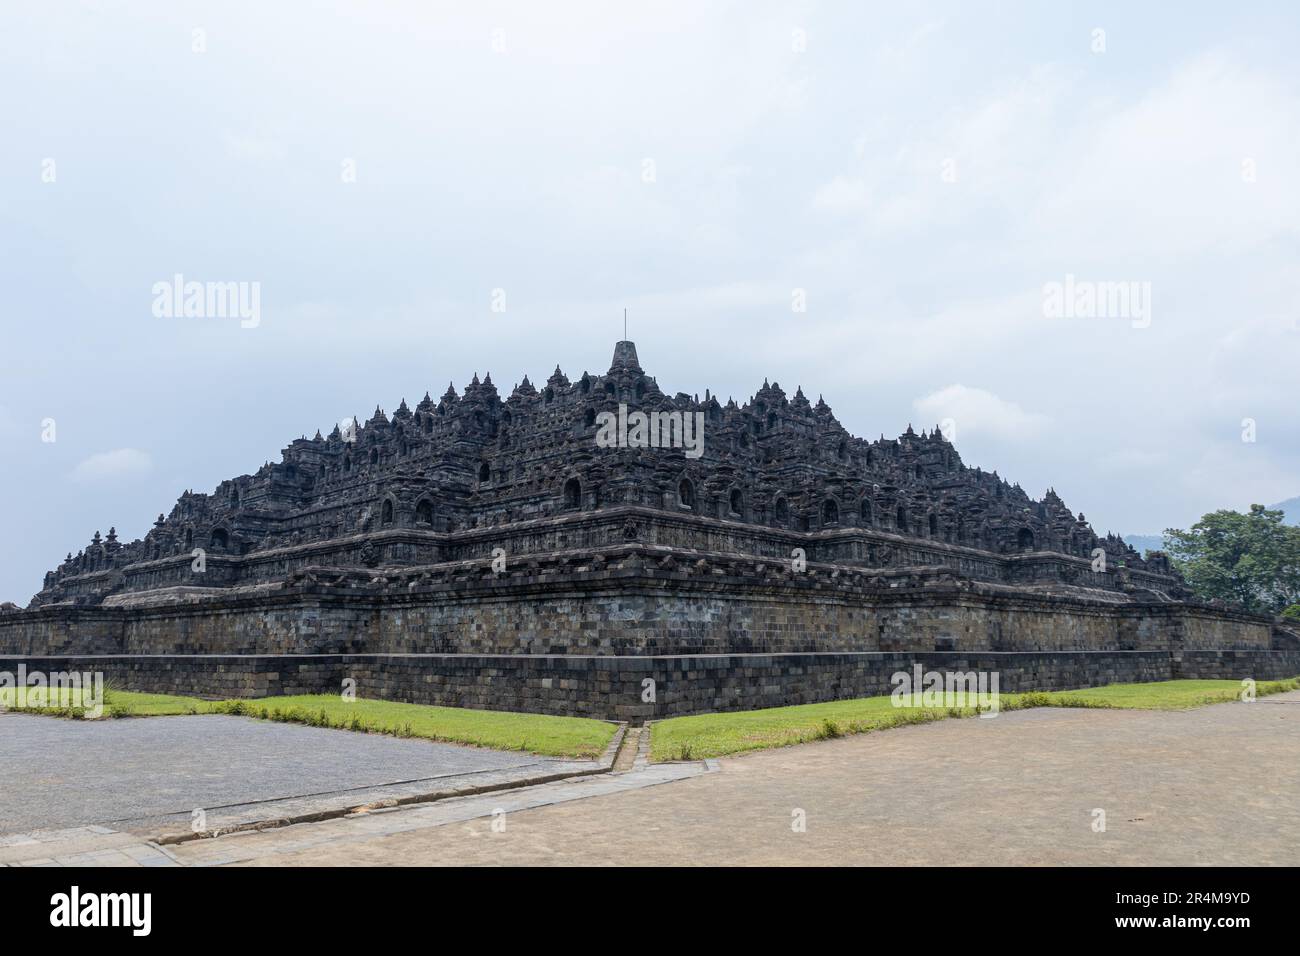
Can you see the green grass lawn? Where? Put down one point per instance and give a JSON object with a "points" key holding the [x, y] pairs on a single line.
{"points": [[1162, 695], [121, 703], [679, 738], [498, 730], [715, 735], [117, 703]]}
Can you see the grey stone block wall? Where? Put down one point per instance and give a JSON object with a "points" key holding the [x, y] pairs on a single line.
{"points": [[611, 687], [581, 635], [630, 602]]}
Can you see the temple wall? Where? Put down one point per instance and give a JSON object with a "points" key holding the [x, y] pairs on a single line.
{"points": [[635, 606], [65, 631], [1203, 631], [611, 687], [577, 632]]}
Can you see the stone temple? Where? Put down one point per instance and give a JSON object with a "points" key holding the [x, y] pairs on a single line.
{"points": [[487, 552]]}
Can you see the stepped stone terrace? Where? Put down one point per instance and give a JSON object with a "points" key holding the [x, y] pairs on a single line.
{"points": [[476, 525]]}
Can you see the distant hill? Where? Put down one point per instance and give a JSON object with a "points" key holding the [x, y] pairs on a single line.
{"points": [[1291, 507], [1143, 543], [1156, 542]]}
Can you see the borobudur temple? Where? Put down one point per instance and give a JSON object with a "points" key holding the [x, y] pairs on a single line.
{"points": [[486, 552]]}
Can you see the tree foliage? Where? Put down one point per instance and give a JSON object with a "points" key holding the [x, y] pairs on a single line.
{"points": [[1248, 559]]}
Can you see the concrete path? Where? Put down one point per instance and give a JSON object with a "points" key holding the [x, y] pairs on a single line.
{"points": [[1216, 785], [151, 774]]}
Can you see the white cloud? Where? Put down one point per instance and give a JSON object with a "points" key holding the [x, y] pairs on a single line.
{"points": [[894, 54], [110, 465], [1174, 166], [776, 170], [8, 424], [979, 412], [252, 148], [841, 194]]}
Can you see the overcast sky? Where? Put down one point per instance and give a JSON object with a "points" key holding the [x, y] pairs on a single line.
{"points": [[920, 171]]}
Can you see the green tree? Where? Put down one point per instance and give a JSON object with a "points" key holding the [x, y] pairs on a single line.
{"points": [[1248, 559]]}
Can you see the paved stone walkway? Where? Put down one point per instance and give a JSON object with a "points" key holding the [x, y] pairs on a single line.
{"points": [[152, 773], [1216, 785]]}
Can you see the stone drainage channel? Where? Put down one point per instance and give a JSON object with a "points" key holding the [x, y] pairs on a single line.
{"points": [[624, 765]]}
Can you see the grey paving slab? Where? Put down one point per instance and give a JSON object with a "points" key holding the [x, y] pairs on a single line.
{"points": [[135, 772], [339, 838], [1217, 785]]}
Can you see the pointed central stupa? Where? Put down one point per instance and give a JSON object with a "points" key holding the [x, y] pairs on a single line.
{"points": [[625, 357]]}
